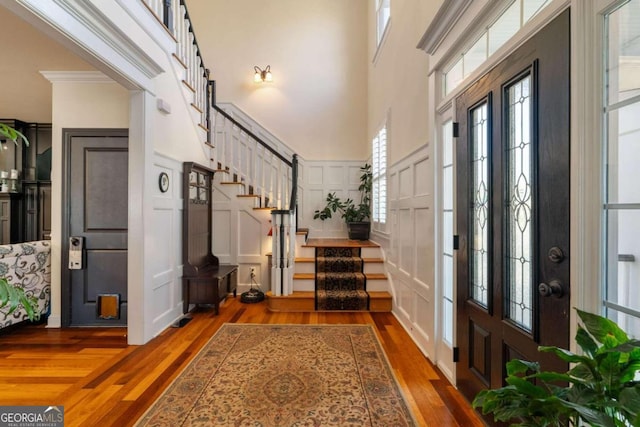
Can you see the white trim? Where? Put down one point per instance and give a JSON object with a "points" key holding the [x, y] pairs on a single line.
{"points": [[380, 45], [76, 77], [444, 21]]}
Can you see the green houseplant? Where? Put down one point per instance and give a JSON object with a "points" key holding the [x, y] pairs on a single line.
{"points": [[356, 215], [12, 134], [602, 388], [12, 295]]}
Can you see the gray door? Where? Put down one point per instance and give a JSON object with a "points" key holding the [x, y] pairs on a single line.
{"points": [[95, 209]]}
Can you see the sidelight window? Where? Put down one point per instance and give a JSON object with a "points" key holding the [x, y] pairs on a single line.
{"points": [[621, 207]]}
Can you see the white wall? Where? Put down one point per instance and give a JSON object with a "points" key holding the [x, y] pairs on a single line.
{"points": [[317, 103], [319, 179]]}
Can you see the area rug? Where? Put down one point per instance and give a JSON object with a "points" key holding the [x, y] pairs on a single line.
{"points": [[340, 281], [285, 375]]}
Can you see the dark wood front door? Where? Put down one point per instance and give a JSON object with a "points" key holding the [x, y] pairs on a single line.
{"points": [[96, 196], [512, 161]]}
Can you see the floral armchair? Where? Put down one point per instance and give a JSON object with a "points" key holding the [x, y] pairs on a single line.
{"points": [[27, 265]]}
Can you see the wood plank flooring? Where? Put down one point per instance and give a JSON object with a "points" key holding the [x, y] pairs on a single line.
{"points": [[101, 381]]}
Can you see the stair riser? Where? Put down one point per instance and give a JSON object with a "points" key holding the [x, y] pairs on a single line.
{"points": [[304, 285], [377, 285], [305, 267], [306, 253]]}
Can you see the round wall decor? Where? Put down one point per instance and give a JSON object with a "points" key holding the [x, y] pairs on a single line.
{"points": [[163, 182]]}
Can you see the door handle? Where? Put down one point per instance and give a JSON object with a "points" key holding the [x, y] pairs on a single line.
{"points": [[553, 288]]}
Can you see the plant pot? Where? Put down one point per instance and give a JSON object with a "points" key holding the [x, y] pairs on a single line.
{"points": [[359, 230]]}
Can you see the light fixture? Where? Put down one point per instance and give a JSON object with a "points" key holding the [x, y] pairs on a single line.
{"points": [[262, 75]]}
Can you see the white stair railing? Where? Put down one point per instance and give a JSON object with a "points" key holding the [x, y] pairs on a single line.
{"points": [[173, 14], [251, 160]]}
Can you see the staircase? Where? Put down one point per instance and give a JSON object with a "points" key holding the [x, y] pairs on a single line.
{"points": [[303, 297], [257, 174]]}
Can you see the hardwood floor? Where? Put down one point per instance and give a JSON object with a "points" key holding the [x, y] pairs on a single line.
{"points": [[101, 381]]}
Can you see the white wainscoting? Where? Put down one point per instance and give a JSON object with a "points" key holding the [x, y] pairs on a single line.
{"points": [[408, 247], [167, 256], [240, 235], [319, 179]]}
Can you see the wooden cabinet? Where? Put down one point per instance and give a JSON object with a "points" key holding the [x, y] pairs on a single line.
{"points": [[204, 280], [26, 214], [36, 210], [10, 218]]}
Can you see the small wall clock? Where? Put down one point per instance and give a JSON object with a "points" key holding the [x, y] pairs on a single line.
{"points": [[163, 182]]}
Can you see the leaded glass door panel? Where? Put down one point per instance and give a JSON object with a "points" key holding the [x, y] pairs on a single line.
{"points": [[512, 158]]}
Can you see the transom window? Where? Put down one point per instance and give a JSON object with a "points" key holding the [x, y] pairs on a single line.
{"points": [[496, 35]]}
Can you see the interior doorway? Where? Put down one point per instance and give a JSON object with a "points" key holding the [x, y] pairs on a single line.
{"points": [[95, 227]]}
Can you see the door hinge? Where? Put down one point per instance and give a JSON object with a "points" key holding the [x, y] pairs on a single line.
{"points": [[456, 354], [456, 129], [456, 242]]}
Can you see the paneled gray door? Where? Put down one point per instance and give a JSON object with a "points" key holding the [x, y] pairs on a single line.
{"points": [[512, 163], [96, 192]]}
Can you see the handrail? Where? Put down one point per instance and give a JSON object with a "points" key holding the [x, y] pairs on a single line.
{"points": [[252, 135], [293, 204]]}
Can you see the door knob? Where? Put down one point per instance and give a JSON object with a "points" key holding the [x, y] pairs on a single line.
{"points": [[553, 288]]}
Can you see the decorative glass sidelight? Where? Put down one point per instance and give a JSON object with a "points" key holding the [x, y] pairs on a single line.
{"points": [[479, 245], [519, 204]]}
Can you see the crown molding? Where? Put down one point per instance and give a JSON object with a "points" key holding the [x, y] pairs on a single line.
{"points": [[445, 19], [76, 77], [98, 23]]}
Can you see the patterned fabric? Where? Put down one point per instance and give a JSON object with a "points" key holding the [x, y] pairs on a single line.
{"points": [[340, 283], [285, 375], [27, 265], [337, 252]]}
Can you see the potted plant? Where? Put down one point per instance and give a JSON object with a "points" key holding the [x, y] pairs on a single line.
{"points": [[12, 134], [602, 388], [14, 296], [356, 216]]}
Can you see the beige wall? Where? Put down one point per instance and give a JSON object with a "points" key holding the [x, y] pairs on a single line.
{"points": [[317, 50], [26, 94], [398, 77]]}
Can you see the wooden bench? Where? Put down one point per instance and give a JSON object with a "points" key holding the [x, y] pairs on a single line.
{"points": [[204, 279], [210, 286]]}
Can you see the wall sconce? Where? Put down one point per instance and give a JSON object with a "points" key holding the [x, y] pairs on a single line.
{"points": [[262, 75]]}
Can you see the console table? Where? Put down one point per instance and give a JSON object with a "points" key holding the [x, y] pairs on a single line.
{"points": [[204, 279]]}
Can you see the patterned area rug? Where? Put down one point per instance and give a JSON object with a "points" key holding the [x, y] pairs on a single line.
{"points": [[285, 375], [340, 282]]}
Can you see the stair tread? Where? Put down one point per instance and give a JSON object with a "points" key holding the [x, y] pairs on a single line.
{"points": [[373, 260], [295, 294], [379, 294], [304, 276], [305, 260], [312, 294], [376, 276], [340, 243]]}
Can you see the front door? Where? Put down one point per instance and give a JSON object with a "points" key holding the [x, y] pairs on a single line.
{"points": [[512, 162], [95, 213]]}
